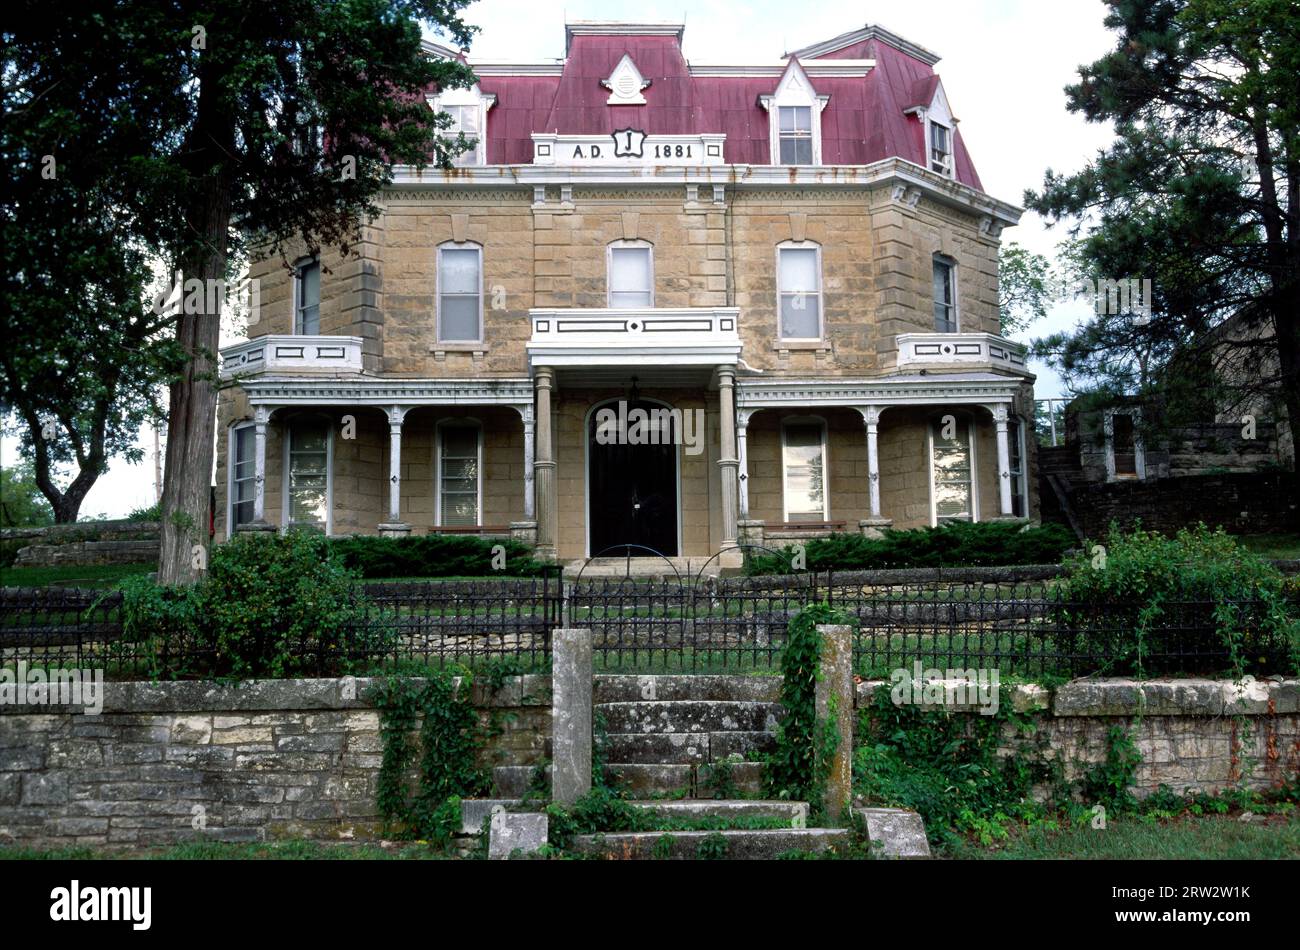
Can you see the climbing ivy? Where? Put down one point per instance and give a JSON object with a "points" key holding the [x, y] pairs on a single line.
{"points": [[450, 736], [800, 765]]}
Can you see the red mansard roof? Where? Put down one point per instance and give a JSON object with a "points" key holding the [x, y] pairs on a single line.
{"points": [[866, 118]]}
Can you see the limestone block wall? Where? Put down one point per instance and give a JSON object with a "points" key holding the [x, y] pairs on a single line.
{"points": [[167, 762]]}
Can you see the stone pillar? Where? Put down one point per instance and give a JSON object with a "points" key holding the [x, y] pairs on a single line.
{"points": [[1004, 459], [394, 526], [727, 460], [834, 701], [570, 715], [874, 526], [544, 466], [742, 461]]}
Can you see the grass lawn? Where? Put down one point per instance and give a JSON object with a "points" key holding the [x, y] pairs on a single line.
{"points": [[101, 575], [1283, 545], [1217, 837]]}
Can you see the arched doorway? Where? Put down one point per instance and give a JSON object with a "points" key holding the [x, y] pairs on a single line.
{"points": [[632, 476]]}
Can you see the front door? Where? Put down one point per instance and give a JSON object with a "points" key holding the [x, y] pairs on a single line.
{"points": [[633, 487]]}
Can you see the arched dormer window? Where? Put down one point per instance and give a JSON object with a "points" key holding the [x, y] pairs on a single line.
{"points": [[468, 109], [794, 119]]}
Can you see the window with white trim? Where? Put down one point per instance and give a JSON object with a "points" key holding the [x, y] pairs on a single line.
{"points": [[308, 454], [243, 474], [794, 135], [1016, 448], [468, 110], [945, 295], [803, 466], [631, 274], [941, 149], [460, 462], [952, 472], [799, 291], [306, 297], [460, 293]]}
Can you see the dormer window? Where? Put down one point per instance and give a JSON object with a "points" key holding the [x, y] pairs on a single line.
{"points": [[940, 149], [794, 116], [468, 110]]}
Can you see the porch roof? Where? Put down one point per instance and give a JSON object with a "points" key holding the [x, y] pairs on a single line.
{"points": [[894, 390]]}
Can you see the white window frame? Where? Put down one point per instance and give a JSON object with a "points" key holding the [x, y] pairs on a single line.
{"points": [[821, 296], [956, 300], [963, 419], [286, 479], [437, 291], [950, 163], [1021, 445], [474, 98], [296, 294], [609, 269], [460, 422], [794, 89], [232, 458], [1139, 450], [826, 467]]}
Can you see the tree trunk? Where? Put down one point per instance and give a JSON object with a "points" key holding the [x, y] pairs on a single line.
{"points": [[192, 420]]}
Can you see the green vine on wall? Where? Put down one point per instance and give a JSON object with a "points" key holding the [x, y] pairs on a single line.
{"points": [[800, 765], [450, 736]]}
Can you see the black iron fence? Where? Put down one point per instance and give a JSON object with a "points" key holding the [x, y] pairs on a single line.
{"points": [[1018, 622]]}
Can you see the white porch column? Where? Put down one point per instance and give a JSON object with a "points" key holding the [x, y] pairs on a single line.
{"points": [[727, 460], [261, 417], [544, 466], [742, 461], [874, 525], [1004, 458], [394, 525], [529, 506]]}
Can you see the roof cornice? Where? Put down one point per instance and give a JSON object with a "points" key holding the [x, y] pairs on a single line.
{"points": [[869, 32], [605, 28], [895, 171]]}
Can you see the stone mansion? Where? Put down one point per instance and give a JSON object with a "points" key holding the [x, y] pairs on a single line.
{"points": [[796, 257]]}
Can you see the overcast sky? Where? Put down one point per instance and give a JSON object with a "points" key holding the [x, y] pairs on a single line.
{"points": [[1004, 66]]}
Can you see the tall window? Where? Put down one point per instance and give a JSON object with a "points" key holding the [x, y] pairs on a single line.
{"points": [[945, 296], [794, 127], [242, 474], [459, 464], [460, 293], [951, 472], [306, 303], [803, 460], [464, 121], [631, 275], [799, 288], [940, 149], [308, 466], [1016, 445]]}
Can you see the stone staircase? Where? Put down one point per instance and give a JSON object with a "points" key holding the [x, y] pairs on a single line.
{"points": [[685, 736]]}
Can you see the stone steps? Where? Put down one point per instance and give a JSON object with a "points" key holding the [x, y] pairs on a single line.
{"points": [[695, 781], [618, 688], [688, 716], [734, 845], [475, 811], [683, 748]]}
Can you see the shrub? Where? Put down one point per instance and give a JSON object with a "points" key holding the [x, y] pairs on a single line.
{"points": [[151, 513], [959, 544], [270, 605], [432, 555], [1194, 603]]}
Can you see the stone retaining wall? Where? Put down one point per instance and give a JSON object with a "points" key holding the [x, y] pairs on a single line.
{"points": [[166, 762]]}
